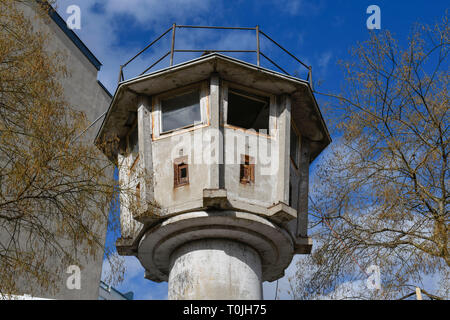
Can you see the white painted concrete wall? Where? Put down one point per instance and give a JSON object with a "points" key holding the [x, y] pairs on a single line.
{"points": [[215, 269]]}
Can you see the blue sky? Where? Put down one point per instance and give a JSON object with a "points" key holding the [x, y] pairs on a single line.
{"points": [[319, 32]]}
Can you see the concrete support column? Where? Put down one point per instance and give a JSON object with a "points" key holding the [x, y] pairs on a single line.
{"points": [[303, 187], [284, 131], [216, 142], [145, 149], [215, 269]]}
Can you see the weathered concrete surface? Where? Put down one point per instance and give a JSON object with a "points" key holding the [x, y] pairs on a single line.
{"points": [[215, 269], [274, 245]]}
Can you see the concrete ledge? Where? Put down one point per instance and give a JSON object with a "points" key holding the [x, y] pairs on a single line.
{"points": [[126, 247], [147, 214], [274, 244], [303, 245], [218, 199], [281, 213], [150, 214], [214, 198]]}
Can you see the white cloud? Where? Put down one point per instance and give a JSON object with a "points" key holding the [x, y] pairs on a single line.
{"points": [[300, 7], [347, 291], [324, 59], [100, 28], [150, 12]]}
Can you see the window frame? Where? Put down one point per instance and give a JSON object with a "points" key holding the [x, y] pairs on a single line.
{"points": [[247, 165], [202, 88], [178, 165], [229, 86]]}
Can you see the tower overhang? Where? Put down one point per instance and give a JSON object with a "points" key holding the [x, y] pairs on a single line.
{"points": [[305, 110]]}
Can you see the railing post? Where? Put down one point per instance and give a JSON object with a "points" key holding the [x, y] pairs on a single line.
{"points": [[257, 45], [173, 44], [120, 74], [310, 76]]}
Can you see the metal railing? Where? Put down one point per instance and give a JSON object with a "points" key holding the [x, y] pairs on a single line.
{"points": [[257, 50]]}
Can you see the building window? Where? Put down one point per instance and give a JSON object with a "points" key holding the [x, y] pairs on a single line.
{"points": [[247, 170], [180, 172], [180, 111], [294, 146], [247, 110]]}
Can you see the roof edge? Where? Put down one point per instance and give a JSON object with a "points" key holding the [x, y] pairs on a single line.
{"points": [[213, 55], [186, 64], [104, 89], [59, 21]]}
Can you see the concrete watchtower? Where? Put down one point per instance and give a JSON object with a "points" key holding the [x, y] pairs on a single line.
{"points": [[213, 157]]}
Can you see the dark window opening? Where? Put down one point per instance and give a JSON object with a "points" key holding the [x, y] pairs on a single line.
{"points": [[247, 170], [133, 145], [183, 173], [248, 111], [180, 172], [180, 111], [132, 116]]}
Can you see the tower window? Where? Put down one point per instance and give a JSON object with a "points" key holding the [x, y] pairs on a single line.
{"points": [[180, 111], [180, 172], [248, 111], [247, 170]]}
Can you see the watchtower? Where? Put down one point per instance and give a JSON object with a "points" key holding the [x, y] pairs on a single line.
{"points": [[213, 156]]}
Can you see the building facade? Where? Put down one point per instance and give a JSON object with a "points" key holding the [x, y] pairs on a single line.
{"points": [[84, 93]]}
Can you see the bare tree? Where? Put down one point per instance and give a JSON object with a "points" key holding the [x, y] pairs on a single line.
{"points": [[55, 188], [381, 194]]}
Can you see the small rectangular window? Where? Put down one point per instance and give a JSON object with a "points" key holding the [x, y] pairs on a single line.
{"points": [[294, 147], [180, 172], [247, 170], [248, 111], [180, 111]]}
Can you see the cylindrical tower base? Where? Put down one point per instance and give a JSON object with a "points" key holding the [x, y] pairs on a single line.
{"points": [[215, 269]]}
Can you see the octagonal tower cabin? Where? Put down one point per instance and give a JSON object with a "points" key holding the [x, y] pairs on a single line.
{"points": [[213, 157]]}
